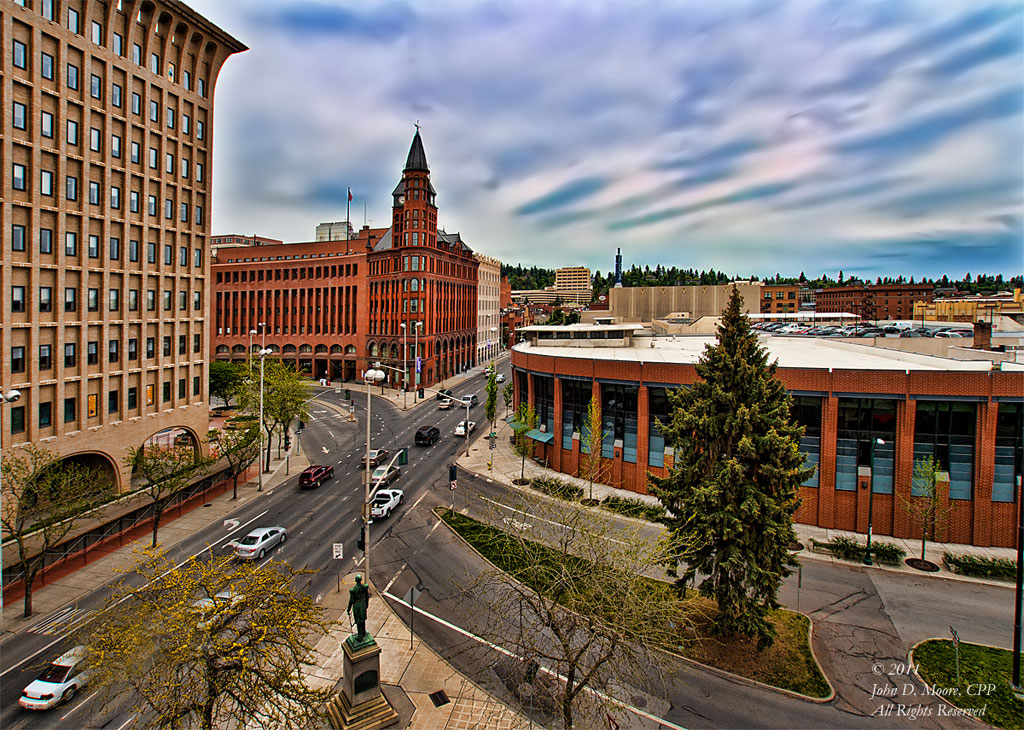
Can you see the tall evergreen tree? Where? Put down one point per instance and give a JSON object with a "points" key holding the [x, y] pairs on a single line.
{"points": [[733, 487]]}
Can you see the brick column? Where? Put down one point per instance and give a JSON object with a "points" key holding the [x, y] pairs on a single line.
{"points": [[984, 472], [827, 462], [643, 422], [903, 466]]}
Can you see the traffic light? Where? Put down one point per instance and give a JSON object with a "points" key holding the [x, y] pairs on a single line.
{"points": [[287, 442], [453, 474], [421, 392], [360, 542]]}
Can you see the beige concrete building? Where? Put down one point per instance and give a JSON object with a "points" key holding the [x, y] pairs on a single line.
{"points": [[573, 278], [107, 133], [647, 303], [488, 317]]}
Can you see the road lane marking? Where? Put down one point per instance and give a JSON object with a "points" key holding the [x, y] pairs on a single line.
{"points": [[77, 707], [416, 503], [126, 723], [330, 434], [232, 533], [395, 577], [506, 652]]}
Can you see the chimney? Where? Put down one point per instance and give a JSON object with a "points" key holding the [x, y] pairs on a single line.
{"points": [[982, 336]]}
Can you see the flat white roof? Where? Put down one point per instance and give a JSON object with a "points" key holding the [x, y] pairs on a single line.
{"points": [[581, 327], [791, 352]]}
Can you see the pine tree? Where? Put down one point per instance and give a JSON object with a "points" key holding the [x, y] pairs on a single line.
{"points": [[734, 486]]}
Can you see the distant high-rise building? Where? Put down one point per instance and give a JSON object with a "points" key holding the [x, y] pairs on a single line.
{"points": [[336, 231], [573, 278], [105, 206], [618, 268]]}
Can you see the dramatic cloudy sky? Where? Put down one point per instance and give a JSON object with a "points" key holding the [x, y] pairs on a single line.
{"points": [[880, 137]]}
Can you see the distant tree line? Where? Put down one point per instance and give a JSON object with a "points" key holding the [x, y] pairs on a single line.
{"points": [[535, 277]]}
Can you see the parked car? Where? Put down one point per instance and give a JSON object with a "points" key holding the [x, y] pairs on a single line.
{"points": [[58, 682], [256, 544], [499, 378], [444, 392], [427, 435], [383, 475], [461, 429], [385, 501], [472, 400], [314, 476], [377, 457]]}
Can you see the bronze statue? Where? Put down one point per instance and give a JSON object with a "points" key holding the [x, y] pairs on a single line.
{"points": [[358, 601]]}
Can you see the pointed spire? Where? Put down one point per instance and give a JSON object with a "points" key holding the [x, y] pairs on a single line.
{"points": [[417, 159]]}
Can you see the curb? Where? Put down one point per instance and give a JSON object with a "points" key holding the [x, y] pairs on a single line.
{"points": [[910, 661], [721, 672], [942, 574]]}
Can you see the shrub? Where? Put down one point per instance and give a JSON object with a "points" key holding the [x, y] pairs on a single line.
{"points": [[1002, 568], [634, 508], [557, 488], [846, 548]]}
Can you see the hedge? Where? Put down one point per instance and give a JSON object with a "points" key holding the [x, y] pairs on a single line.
{"points": [[557, 488], [847, 548], [635, 508], [1002, 568]]}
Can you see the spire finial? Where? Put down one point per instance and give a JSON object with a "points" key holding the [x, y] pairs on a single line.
{"points": [[417, 126]]}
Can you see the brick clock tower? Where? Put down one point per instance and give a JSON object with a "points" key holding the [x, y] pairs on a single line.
{"points": [[423, 278]]}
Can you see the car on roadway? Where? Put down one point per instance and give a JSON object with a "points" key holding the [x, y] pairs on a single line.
{"points": [[446, 404], [462, 428], [499, 378], [385, 501], [444, 393], [383, 475], [377, 456], [256, 544], [58, 682], [470, 400], [427, 435], [315, 475]]}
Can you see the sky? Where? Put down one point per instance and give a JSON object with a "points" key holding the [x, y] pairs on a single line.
{"points": [[876, 137]]}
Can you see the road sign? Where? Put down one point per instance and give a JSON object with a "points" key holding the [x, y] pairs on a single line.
{"points": [[956, 648], [956, 636], [411, 595], [419, 364], [339, 550], [454, 483]]}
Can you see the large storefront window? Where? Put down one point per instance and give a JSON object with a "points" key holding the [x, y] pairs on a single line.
{"points": [[659, 409], [862, 422], [522, 389], [945, 430], [618, 420], [1009, 451], [544, 402], [806, 411], [575, 399]]}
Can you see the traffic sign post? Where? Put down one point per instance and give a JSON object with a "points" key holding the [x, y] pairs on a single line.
{"points": [[410, 597], [956, 648], [337, 553]]}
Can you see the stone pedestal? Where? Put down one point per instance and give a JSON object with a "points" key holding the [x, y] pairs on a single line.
{"points": [[358, 703]]}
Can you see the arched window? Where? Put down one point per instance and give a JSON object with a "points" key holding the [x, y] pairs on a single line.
{"points": [[350, 350], [305, 349], [373, 349], [289, 348], [320, 349], [336, 349], [222, 349]]}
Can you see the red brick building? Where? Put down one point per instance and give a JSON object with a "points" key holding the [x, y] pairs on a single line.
{"points": [[968, 414], [780, 298], [334, 307], [882, 301]]}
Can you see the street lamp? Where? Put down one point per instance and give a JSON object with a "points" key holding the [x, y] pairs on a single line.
{"points": [[371, 376], [405, 365], [10, 396], [871, 500], [416, 355], [490, 342], [263, 356], [249, 353], [263, 329]]}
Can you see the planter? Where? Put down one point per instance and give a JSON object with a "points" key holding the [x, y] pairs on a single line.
{"points": [[795, 547]]}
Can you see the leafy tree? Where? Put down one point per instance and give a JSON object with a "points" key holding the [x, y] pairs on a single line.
{"points": [[285, 394], [490, 405], [44, 498], [209, 644], [241, 447], [165, 470], [591, 462], [524, 421], [577, 605], [507, 393], [927, 508], [226, 379], [733, 488]]}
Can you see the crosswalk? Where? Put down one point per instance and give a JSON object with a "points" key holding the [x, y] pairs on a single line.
{"points": [[59, 620]]}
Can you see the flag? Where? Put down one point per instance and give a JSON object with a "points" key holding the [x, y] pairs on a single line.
{"points": [[350, 195]]}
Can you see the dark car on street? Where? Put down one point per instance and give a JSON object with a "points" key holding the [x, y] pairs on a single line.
{"points": [[427, 435], [314, 476]]}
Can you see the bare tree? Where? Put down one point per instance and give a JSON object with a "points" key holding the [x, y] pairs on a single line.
{"points": [[209, 644], [44, 498], [240, 447], [573, 604], [165, 470]]}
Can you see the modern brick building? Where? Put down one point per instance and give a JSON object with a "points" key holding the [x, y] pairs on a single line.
{"points": [[881, 301], [107, 148], [968, 414], [780, 298], [335, 307]]}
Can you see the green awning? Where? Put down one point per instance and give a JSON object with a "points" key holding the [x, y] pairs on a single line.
{"points": [[536, 435]]}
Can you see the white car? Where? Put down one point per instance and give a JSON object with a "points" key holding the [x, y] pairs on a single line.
{"points": [[58, 683], [461, 429], [256, 544], [385, 501], [499, 378]]}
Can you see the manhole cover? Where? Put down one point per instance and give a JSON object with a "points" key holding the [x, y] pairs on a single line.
{"points": [[439, 698], [639, 701]]}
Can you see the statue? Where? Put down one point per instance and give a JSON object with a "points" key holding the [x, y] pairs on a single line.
{"points": [[358, 601]]}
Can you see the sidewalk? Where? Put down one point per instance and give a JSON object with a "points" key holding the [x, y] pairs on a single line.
{"points": [[507, 464]]}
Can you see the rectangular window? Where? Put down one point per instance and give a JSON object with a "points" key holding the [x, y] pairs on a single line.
{"points": [[806, 411], [70, 243], [115, 146], [113, 351], [20, 115], [182, 300], [46, 125], [197, 342], [186, 81], [114, 300], [70, 356], [151, 206], [95, 86], [136, 54], [46, 66], [618, 420], [45, 240], [199, 216], [170, 163], [18, 419], [154, 63], [154, 157], [167, 346], [46, 183], [133, 300], [92, 405], [201, 88], [17, 299], [94, 193], [168, 254], [115, 198], [44, 414], [47, 9], [166, 387], [136, 153], [184, 167], [133, 349], [154, 111], [118, 45], [17, 359], [150, 347], [17, 238], [184, 219], [71, 188], [196, 385], [198, 261], [72, 20], [133, 250], [167, 301], [945, 431], [45, 299], [97, 33], [133, 398], [186, 122], [115, 249], [115, 95], [168, 209], [182, 345], [181, 388], [92, 353], [170, 118], [151, 253], [95, 138], [92, 300], [45, 357], [70, 410], [19, 175], [133, 204], [20, 55], [113, 401], [199, 129], [183, 256], [199, 172], [1009, 462], [197, 300], [73, 76], [94, 247], [136, 103], [150, 394]]}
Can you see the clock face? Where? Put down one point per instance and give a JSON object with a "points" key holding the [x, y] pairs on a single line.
{"points": [[401, 200]]}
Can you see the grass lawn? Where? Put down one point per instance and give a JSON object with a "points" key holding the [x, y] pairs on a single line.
{"points": [[979, 666], [787, 664]]}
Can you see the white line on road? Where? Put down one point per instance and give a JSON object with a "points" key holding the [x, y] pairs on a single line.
{"points": [[330, 434], [394, 578], [416, 503], [77, 707], [126, 723], [506, 652]]}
